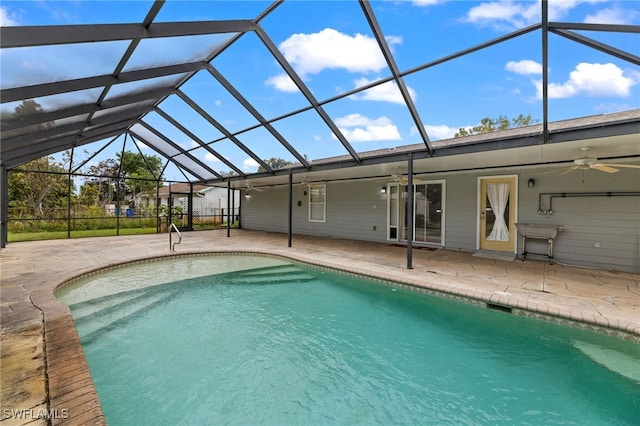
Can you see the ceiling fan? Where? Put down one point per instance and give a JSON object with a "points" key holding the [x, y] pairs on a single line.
{"points": [[586, 163], [250, 187], [403, 180]]}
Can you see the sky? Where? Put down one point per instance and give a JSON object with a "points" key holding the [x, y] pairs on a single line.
{"points": [[333, 50]]}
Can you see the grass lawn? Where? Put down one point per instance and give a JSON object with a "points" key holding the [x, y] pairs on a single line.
{"points": [[55, 235]]}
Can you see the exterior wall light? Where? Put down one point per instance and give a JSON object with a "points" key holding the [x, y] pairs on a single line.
{"points": [[383, 190], [531, 183]]}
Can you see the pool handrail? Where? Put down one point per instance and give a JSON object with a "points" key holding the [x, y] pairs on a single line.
{"points": [[172, 245]]}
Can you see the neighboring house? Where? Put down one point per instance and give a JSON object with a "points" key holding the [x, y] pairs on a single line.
{"points": [[208, 201], [471, 201]]}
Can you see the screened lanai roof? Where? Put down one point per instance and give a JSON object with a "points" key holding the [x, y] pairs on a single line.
{"points": [[223, 89]]}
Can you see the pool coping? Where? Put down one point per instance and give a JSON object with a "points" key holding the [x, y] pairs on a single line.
{"points": [[71, 392]]}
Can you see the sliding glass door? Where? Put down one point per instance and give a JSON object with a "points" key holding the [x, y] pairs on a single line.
{"points": [[427, 211]]}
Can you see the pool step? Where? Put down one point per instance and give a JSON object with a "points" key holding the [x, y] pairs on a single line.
{"points": [[280, 274], [90, 307], [106, 313], [616, 361], [97, 314]]}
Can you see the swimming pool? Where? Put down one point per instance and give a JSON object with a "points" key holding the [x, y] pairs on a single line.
{"points": [[259, 340]]}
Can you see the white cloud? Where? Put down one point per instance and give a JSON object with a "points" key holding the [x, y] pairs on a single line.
{"points": [[282, 82], [591, 80], [386, 92], [393, 40], [426, 3], [504, 14], [441, 131], [359, 128], [438, 132], [617, 16], [250, 164], [7, 18], [509, 14], [331, 49], [524, 67], [211, 158]]}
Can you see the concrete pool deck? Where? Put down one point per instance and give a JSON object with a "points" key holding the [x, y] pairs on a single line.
{"points": [[44, 373]]}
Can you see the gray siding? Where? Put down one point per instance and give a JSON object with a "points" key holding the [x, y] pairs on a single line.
{"points": [[613, 223], [460, 210], [354, 208]]}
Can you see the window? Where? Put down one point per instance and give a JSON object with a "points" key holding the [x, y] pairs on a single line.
{"points": [[317, 203]]}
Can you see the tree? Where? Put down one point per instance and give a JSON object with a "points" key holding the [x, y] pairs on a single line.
{"points": [[140, 172], [27, 108], [43, 187], [275, 163], [46, 185], [99, 189], [488, 125]]}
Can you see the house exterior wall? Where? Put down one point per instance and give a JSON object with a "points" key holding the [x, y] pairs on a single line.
{"points": [[352, 210], [612, 223], [600, 231]]}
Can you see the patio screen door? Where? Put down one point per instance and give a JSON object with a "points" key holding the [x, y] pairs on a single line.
{"points": [[497, 213], [181, 210]]}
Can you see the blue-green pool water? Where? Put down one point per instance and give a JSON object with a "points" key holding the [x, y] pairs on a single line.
{"points": [[255, 340]]}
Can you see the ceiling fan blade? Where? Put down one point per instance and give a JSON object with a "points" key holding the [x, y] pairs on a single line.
{"points": [[627, 166], [604, 168], [570, 169], [552, 172]]}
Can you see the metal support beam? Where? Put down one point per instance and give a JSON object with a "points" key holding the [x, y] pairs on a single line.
{"points": [[545, 71], [73, 150], [179, 165], [247, 105], [118, 193], [290, 221], [409, 211], [199, 141], [229, 215], [181, 151], [580, 26], [395, 71], [48, 35], [305, 91], [610, 50], [222, 129], [66, 86], [190, 212], [4, 208]]}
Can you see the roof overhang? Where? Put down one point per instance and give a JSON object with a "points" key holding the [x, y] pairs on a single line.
{"points": [[614, 137]]}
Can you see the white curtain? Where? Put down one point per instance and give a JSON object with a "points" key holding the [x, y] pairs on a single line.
{"points": [[498, 195]]}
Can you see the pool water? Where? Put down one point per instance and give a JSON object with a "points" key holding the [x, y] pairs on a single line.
{"points": [[255, 340]]}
